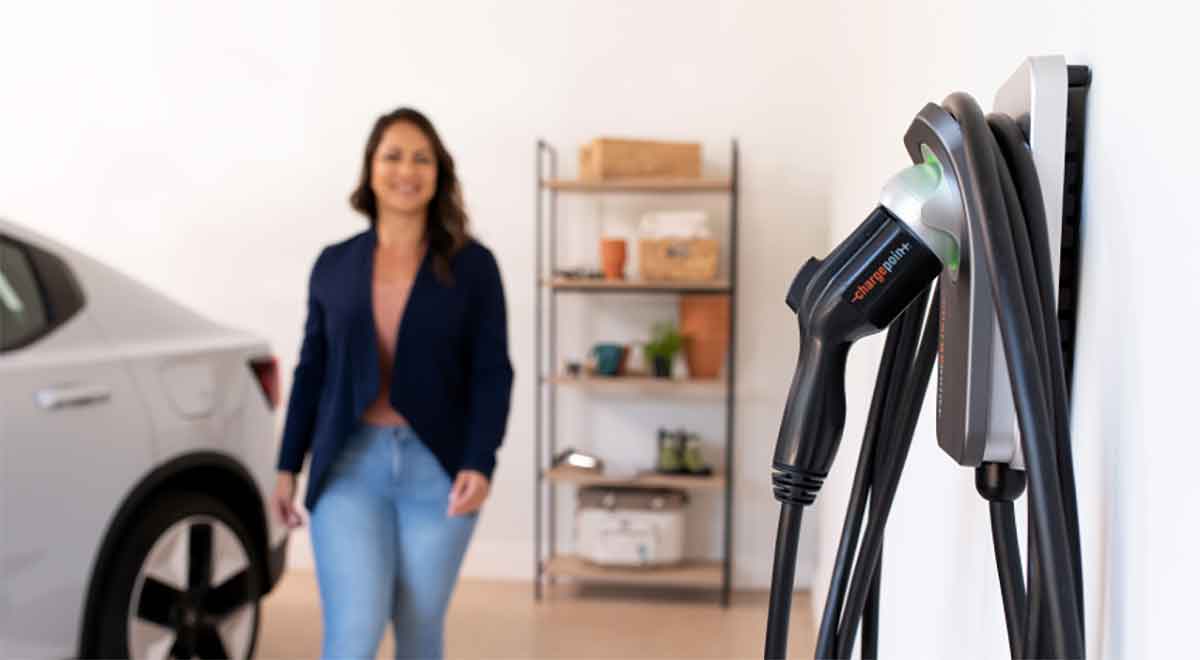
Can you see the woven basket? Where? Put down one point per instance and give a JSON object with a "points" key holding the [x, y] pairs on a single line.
{"points": [[693, 259], [609, 158]]}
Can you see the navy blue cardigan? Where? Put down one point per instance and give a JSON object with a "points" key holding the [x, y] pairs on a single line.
{"points": [[451, 379]]}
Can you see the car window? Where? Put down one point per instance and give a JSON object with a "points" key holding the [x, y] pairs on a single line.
{"points": [[23, 313]]}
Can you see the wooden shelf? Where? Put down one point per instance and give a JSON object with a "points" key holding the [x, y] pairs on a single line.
{"points": [[640, 384], [581, 477], [635, 286], [695, 573], [657, 185], [636, 389]]}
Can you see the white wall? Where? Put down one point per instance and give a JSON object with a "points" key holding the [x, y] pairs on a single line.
{"points": [[208, 149], [1135, 441]]}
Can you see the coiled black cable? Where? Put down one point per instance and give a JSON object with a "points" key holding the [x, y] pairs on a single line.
{"points": [[898, 351], [885, 462], [1028, 224], [1011, 143], [1018, 226], [1030, 392], [1035, 645], [900, 440]]}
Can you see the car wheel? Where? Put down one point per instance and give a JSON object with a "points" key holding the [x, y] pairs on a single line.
{"points": [[183, 585]]}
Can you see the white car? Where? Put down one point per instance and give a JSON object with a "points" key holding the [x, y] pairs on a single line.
{"points": [[137, 455]]}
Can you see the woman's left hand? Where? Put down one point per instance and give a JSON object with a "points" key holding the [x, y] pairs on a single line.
{"points": [[469, 491]]}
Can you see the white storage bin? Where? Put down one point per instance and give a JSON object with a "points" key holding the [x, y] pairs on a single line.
{"points": [[630, 527]]}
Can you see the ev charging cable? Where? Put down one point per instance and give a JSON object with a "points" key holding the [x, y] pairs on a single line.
{"points": [[880, 273]]}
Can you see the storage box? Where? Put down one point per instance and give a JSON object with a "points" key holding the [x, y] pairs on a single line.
{"points": [[692, 259], [629, 527], [611, 158]]}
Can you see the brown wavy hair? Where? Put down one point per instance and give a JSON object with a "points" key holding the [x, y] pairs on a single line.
{"points": [[446, 223]]}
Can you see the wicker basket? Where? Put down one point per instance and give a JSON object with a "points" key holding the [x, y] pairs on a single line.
{"points": [[693, 259], [609, 158]]}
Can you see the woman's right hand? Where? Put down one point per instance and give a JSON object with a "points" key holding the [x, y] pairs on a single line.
{"points": [[284, 500]]}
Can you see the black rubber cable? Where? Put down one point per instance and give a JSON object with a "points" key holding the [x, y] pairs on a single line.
{"points": [[885, 457], [911, 324], [858, 501], [1035, 645], [886, 461], [1012, 144], [898, 351], [783, 580], [1000, 484], [1029, 393], [870, 625], [1008, 565], [1054, 573], [872, 545], [1019, 233]]}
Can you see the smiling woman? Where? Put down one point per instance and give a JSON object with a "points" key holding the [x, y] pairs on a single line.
{"points": [[407, 168], [402, 394]]}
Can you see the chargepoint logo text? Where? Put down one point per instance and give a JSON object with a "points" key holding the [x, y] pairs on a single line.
{"points": [[881, 274]]}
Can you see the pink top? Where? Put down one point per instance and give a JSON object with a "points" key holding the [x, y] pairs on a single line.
{"points": [[388, 300]]}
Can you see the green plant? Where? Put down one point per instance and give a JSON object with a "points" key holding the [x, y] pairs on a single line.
{"points": [[665, 341]]}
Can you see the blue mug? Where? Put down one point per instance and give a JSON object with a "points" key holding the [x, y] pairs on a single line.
{"points": [[608, 358]]}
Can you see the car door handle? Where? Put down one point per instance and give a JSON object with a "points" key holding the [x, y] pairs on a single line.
{"points": [[71, 396]]}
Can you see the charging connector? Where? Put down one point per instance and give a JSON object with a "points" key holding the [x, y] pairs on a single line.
{"points": [[858, 290]]}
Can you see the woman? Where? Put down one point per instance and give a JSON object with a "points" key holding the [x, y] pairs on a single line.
{"points": [[402, 394]]}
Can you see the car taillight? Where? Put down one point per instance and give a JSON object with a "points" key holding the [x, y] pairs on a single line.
{"points": [[266, 370]]}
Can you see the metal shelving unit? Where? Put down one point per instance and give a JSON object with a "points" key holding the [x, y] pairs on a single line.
{"points": [[548, 563]]}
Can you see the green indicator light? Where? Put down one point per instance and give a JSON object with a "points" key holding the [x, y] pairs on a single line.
{"points": [[933, 166], [931, 159]]}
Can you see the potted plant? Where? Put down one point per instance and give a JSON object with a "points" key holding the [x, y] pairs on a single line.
{"points": [[665, 342]]}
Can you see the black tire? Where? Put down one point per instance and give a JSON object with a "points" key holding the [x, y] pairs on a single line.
{"points": [[196, 613]]}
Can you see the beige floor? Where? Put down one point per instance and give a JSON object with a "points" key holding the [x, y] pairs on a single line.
{"points": [[502, 620]]}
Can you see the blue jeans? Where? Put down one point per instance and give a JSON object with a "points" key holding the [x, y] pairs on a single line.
{"points": [[385, 548]]}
